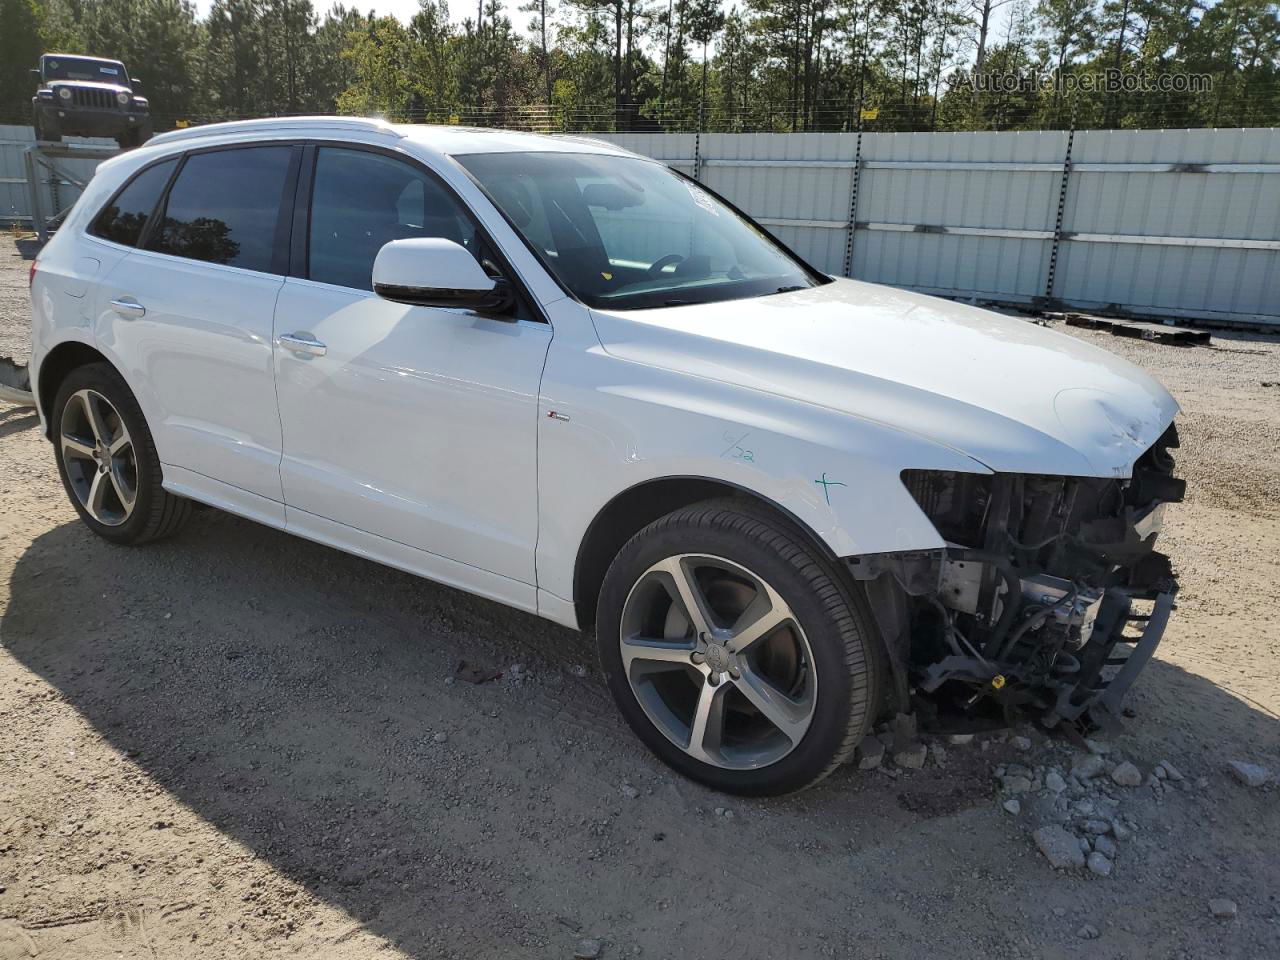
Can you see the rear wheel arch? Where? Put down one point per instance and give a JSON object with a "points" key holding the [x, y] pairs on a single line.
{"points": [[635, 508], [54, 369]]}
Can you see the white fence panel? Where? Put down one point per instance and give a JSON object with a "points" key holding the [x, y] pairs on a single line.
{"points": [[950, 195], [1177, 222], [58, 193], [1174, 223]]}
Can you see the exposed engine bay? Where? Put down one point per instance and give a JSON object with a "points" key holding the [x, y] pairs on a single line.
{"points": [[1049, 598]]}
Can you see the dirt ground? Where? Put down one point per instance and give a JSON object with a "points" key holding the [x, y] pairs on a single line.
{"points": [[240, 744]]}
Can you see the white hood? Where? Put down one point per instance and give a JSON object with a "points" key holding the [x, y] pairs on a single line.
{"points": [[1011, 394]]}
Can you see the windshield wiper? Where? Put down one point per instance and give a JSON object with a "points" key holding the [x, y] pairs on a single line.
{"points": [[789, 289]]}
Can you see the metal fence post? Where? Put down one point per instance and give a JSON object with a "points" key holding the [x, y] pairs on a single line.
{"points": [[33, 188], [697, 145], [1062, 204], [853, 199]]}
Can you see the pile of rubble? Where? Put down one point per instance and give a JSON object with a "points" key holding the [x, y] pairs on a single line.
{"points": [[1075, 807]]}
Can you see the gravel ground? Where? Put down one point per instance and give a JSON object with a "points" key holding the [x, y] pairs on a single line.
{"points": [[239, 744]]}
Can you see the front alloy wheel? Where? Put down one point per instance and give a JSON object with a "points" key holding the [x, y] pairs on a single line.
{"points": [[718, 662], [736, 651]]}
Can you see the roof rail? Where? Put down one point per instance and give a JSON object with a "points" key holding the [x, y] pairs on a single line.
{"points": [[369, 124]]}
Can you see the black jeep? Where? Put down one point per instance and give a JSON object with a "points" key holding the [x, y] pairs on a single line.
{"points": [[89, 97]]}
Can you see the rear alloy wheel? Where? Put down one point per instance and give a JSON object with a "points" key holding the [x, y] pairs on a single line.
{"points": [[741, 658], [108, 461], [99, 458]]}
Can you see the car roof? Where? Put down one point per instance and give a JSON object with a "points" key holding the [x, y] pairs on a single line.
{"points": [[80, 56], [444, 140]]}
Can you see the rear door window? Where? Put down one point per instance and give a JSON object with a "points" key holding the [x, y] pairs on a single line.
{"points": [[224, 207], [123, 218]]}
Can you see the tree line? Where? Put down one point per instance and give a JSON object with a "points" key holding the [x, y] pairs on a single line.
{"points": [[746, 65]]}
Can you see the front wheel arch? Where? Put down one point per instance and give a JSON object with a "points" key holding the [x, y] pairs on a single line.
{"points": [[635, 508]]}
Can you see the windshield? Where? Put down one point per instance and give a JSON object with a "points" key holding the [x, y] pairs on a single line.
{"points": [[82, 68], [625, 233]]}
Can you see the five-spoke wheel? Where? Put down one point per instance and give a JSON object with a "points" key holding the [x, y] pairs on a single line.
{"points": [[99, 457], [737, 652], [717, 660], [108, 461]]}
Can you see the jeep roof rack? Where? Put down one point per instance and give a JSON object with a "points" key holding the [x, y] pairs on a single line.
{"points": [[297, 124]]}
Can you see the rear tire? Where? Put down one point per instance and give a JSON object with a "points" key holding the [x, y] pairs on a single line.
{"points": [[787, 680], [107, 459]]}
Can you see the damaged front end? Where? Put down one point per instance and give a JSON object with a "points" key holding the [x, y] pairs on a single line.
{"points": [[1049, 597]]}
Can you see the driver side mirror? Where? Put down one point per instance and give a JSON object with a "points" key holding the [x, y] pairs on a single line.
{"points": [[135, 82], [34, 71], [434, 272]]}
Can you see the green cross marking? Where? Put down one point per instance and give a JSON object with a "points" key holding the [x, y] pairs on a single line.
{"points": [[827, 485]]}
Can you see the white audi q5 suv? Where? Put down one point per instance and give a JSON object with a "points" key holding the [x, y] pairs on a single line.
{"points": [[567, 378]]}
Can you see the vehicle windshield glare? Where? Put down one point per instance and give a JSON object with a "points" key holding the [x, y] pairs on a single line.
{"points": [[625, 233], [84, 68]]}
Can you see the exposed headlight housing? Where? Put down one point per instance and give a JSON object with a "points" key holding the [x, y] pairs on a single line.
{"points": [[122, 98], [64, 93], [955, 503]]}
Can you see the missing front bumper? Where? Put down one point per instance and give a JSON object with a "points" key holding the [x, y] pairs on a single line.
{"points": [[1088, 687], [1098, 697]]}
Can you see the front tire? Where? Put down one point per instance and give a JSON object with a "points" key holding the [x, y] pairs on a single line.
{"points": [[107, 459], [738, 653], [44, 134]]}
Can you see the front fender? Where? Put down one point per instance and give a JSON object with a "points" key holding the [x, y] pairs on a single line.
{"points": [[608, 425]]}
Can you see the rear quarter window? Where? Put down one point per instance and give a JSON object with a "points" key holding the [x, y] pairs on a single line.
{"points": [[123, 218]]}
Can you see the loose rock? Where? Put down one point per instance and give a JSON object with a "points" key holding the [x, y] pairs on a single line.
{"points": [[1099, 864], [1088, 932], [1012, 806], [1060, 848], [587, 950], [440, 737], [1127, 775], [1088, 766], [1022, 743], [1053, 781], [1105, 846], [912, 757], [1223, 908], [1250, 774], [870, 753], [1015, 784], [960, 739], [1171, 772], [629, 791]]}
